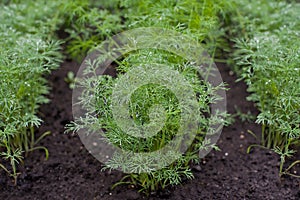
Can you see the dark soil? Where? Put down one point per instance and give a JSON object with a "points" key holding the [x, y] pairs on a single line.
{"points": [[72, 173]]}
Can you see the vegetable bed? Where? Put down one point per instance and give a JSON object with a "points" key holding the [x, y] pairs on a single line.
{"points": [[256, 155], [72, 173]]}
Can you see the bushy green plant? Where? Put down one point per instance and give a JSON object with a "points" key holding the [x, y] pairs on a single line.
{"points": [[201, 21], [26, 56], [87, 23], [141, 102], [90, 22], [269, 59]]}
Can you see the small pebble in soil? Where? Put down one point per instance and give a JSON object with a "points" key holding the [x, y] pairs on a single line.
{"points": [[197, 168], [242, 137], [226, 154], [95, 144], [231, 73]]}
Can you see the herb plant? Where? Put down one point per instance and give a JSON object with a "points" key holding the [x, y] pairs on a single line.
{"points": [[200, 20], [26, 56], [269, 58], [140, 104], [87, 23]]}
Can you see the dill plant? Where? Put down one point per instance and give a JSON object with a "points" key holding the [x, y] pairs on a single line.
{"points": [[200, 20], [203, 20], [87, 23], [141, 101], [268, 58], [26, 56]]}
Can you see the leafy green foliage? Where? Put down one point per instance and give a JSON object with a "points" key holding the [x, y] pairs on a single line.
{"points": [[25, 57], [70, 79], [90, 22], [269, 57], [201, 20], [141, 103], [243, 116], [87, 24]]}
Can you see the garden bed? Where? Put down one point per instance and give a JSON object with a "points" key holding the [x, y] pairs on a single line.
{"points": [[72, 173], [258, 158]]}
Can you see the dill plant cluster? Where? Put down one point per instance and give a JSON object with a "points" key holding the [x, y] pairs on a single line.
{"points": [[201, 21], [90, 22], [87, 23], [144, 178], [268, 58], [26, 55]]}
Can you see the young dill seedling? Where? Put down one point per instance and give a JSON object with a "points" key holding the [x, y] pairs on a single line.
{"points": [[243, 116]]}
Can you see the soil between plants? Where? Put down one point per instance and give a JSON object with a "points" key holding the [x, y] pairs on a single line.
{"points": [[72, 173]]}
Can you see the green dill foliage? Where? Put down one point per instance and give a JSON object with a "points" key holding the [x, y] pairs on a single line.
{"points": [[70, 79], [88, 23], [141, 102], [244, 117], [268, 55], [201, 21], [25, 57]]}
